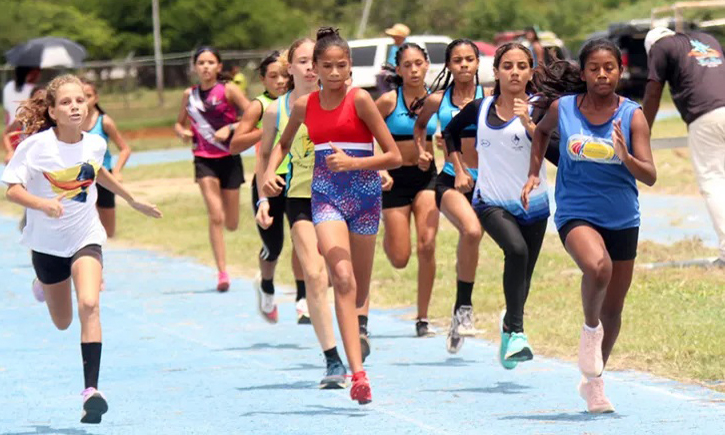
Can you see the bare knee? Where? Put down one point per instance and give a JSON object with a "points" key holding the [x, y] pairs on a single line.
{"points": [[343, 280], [599, 271], [88, 306], [216, 219], [398, 259], [426, 249], [63, 322], [231, 225], [471, 233]]}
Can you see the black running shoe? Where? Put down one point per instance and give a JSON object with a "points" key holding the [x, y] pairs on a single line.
{"points": [[423, 329], [364, 343], [94, 406]]}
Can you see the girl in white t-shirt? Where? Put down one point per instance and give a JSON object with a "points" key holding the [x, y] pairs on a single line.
{"points": [[53, 175]]}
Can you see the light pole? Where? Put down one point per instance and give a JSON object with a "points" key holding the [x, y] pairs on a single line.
{"points": [[364, 19], [157, 51]]}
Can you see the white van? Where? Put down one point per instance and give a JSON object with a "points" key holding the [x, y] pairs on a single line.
{"points": [[369, 56]]}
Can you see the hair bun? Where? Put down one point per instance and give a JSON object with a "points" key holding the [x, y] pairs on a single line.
{"points": [[326, 32]]}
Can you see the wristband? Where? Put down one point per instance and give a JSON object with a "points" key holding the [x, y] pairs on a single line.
{"points": [[261, 200]]}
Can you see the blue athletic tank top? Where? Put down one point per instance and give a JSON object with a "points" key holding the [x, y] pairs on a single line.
{"points": [[98, 129], [401, 123], [592, 183], [446, 111]]}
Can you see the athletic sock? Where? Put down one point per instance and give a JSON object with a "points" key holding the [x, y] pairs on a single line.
{"points": [[363, 321], [463, 294], [331, 355], [589, 328], [91, 353], [301, 289], [268, 286]]}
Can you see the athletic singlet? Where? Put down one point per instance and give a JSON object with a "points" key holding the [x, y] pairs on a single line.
{"points": [[265, 100], [504, 153], [351, 196], [401, 123], [98, 129], [300, 161], [592, 184], [208, 115], [446, 111]]}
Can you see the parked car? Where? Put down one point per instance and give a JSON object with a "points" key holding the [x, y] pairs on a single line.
{"points": [[369, 56]]}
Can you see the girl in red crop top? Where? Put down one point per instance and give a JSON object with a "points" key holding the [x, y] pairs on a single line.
{"points": [[346, 192]]}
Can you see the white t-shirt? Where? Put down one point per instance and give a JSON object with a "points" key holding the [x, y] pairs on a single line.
{"points": [[47, 168], [13, 98]]}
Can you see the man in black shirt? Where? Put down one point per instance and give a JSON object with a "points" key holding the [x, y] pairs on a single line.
{"points": [[693, 65]]}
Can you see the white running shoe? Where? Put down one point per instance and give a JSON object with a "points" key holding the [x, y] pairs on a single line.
{"points": [[38, 291], [463, 318], [303, 313], [592, 391], [265, 302]]}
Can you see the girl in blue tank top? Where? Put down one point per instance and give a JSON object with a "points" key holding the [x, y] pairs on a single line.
{"points": [[98, 122], [604, 149], [454, 193], [410, 190]]}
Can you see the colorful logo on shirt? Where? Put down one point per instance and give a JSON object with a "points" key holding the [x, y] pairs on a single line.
{"points": [[73, 181], [704, 54], [591, 149]]}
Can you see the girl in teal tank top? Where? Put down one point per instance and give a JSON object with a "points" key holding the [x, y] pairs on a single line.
{"points": [[455, 86], [98, 122]]}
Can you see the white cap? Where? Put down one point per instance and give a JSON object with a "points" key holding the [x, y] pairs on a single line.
{"points": [[655, 35]]}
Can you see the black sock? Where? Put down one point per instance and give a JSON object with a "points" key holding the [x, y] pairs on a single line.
{"points": [[301, 289], [363, 321], [91, 353], [463, 294], [332, 355], [268, 286]]}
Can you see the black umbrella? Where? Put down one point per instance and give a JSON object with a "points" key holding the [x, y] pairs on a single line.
{"points": [[47, 52]]}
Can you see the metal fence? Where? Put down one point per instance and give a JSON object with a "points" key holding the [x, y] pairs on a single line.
{"points": [[132, 73]]}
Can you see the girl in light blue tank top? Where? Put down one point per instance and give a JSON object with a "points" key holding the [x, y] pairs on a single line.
{"points": [[461, 73], [604, 150], [98, 122]]}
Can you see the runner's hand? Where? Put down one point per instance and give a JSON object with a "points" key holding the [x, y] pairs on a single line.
{"points": [[186, 135], [264, 220], [424, 160], [521, 109], [439, 141], [273, 186], [222, 134], [464, 182], [149, 210], [620, 144], [339, 161], [387, 181], [52, 207], [531, 184]]}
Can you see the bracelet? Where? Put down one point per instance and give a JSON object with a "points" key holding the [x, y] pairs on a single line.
{"points": [[261, 200]]}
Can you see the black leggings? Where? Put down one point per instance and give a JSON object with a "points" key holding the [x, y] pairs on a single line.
{"points": [[521, 245], [272, 237]]}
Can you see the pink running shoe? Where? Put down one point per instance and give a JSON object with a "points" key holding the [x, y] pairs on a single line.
{"points": [[94, 406], [592, 391], [591, 363], [38, 291], [223, 282], [360, 389]]}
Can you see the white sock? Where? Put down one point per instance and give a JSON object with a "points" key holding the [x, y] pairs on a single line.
{"points": [[590, 329]]}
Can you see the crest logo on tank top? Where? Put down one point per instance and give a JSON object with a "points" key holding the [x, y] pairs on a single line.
{"points": [[516, 142]]}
